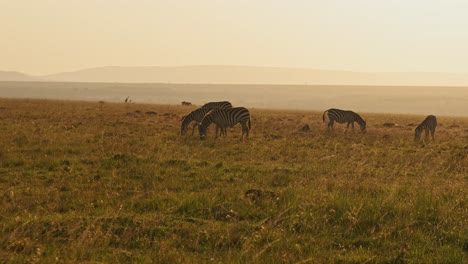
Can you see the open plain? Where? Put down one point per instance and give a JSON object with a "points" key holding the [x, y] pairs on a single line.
{"points": [[90, 182]]}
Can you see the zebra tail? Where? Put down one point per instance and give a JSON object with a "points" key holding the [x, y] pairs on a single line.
{"points": [[323, 117], [250, 125]]}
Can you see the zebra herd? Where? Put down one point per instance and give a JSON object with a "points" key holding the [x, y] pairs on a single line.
{"points": [[223, 115]]}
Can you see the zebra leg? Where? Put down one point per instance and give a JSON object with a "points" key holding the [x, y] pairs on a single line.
{"points": [[432, 134], [347, 127], [426, 134], [330, 124]]}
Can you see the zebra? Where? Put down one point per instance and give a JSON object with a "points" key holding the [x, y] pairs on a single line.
{"points": [[225, 118], [344, 116], [428, 125], [197, 116], [221, 104]]}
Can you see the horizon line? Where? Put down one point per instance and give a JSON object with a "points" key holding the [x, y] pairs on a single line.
{"points": [[242, 66]]}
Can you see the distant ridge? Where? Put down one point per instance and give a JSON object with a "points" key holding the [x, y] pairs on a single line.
{"points": [[225, 74], [13, 76], [255, 75]]}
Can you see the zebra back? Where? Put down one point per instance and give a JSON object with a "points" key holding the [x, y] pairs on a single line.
{"points": [[221, 104]]}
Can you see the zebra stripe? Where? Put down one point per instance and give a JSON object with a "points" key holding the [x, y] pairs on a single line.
{"points": [[344, 116], [222, 104], [225, 118], [197, 116], [428, 125]]}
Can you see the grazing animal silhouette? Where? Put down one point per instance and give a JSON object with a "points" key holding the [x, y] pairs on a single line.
{"points": [[428, 125], [225, 118], [197, 116], [344, 116]]}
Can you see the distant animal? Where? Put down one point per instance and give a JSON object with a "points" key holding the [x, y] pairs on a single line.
{"points": [[197, 116], [225, 118], [126, 99], [186, 103], [428, 125], [344, 116], [221, 104]]}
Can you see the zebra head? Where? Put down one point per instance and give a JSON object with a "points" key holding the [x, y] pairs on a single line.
{"points": [[202, 130], [363, 126], [202, 134], [417, 134], [183, 129], [184, 125]]}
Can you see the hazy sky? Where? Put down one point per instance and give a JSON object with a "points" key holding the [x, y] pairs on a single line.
{"points": [[48, 36]]}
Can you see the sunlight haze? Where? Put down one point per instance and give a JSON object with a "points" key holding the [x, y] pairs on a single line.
{"points": [[50, 36]]}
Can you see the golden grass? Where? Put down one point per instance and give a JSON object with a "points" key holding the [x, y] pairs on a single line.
{"points": [[104, 182]]}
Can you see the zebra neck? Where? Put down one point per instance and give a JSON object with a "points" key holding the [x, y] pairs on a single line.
{"points": [[206, 122], [359, 120], [187, 120]]}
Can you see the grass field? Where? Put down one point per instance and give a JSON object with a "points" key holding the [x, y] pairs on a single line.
{"points": [[105, 182]]}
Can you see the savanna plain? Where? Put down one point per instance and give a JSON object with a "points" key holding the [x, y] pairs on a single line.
{"points": [[88, 182]]}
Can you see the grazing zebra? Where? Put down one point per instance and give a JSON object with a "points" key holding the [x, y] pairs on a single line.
{"points": [[429, 124], [197, 116], [343, 116], [225, 118], [222, 104]]}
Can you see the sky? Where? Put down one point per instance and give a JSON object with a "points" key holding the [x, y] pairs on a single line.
{"points": [[48, 36]]}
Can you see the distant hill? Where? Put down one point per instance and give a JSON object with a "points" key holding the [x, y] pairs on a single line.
{"points": [[255, 75], [12, 76], [244, 75]]}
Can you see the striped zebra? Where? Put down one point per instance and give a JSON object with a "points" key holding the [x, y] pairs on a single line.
{"points": [[197, 116], [344, 116], [225, 118], [428, 125], [221, 104]]}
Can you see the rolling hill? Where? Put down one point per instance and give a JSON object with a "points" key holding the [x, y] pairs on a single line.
{"points": [[256, 75], [218, 74], [13, 76]]}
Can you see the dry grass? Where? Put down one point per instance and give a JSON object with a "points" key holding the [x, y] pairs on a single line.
{"points": [[103, 182]]}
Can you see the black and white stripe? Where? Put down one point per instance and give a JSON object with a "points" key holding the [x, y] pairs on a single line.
{"points": [[221, 104], [344, 116], [428, 125], [197, 116], [225, 118]]}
